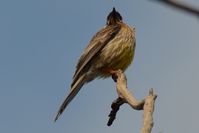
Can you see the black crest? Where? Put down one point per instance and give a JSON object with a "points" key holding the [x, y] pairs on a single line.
{"points": [[113, 17]]}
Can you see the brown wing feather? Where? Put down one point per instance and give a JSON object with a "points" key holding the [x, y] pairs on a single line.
{"points": [[97, 43]]}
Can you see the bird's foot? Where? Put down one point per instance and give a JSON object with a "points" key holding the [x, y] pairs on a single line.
{"points": [[111, 72], [114, 75]]}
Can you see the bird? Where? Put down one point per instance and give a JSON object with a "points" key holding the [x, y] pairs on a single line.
{"points": [[110, 49]]}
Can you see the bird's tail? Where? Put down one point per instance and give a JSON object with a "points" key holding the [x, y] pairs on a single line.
{"points": [[73, 92]]}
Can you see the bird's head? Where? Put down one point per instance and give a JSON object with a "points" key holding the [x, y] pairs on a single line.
{"points": [[113, 17]]}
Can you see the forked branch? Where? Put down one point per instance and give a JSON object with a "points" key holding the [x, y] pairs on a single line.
{"points": [[125, 96]]}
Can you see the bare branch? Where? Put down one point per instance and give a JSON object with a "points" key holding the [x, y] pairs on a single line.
{"points": [[115, 107], [148, 112], [125, 96], [181, 6]]}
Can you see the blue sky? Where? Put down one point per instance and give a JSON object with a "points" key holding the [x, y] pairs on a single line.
{"points": [[41, 41]]}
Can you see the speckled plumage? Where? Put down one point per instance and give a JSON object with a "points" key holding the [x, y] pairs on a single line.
{"points": [[110, 49], [119, 52]]}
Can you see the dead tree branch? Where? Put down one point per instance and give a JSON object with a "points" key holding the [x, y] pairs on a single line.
{"points": [[148, 112], [125, 96], [182, 6]]}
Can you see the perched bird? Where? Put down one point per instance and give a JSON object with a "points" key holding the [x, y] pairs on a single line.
{"points": [[110, 49]]}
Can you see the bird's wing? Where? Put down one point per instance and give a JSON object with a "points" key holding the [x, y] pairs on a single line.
{"points": [[97, 43]]}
